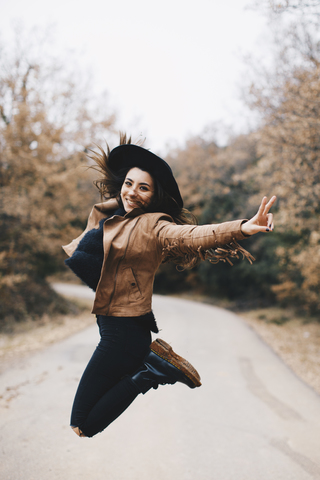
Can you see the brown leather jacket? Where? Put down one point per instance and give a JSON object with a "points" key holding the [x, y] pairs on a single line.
{"points": [[134, 247]]}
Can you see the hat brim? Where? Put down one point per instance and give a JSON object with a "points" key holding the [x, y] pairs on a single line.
{"points": [[130, 156]]}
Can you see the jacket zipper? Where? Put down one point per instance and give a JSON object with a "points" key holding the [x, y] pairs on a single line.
{"points": [[123, 256]]}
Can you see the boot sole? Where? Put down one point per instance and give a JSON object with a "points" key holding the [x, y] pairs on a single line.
{"points": [[165, 351]]}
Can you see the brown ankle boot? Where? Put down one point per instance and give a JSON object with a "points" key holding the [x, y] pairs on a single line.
{"points": [[162, 366], [165, 351]]}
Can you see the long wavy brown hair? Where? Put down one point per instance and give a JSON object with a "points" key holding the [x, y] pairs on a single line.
{"points": [[110, 183]]}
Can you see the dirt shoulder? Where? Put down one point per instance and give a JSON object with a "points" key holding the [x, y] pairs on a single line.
{"points": [[34, 335], [296, 341]]}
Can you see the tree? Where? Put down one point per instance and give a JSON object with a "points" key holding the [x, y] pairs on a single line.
{"points": [[47, 120], [308, 7], [280, 157], [288, 147]]}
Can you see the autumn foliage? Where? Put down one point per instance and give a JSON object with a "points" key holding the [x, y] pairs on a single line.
{"points": [[281, 157], [46, 122]]}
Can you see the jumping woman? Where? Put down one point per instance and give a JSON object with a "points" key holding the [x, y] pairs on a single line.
{"points": [[140, 224]]}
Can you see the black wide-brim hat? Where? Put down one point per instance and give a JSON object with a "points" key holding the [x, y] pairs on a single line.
{"points": [[130, 156]]}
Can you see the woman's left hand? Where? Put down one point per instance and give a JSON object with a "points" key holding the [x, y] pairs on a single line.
{"points": [[262, 221]]}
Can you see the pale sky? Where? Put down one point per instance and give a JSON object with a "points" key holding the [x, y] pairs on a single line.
{"points": [[171, 67]]}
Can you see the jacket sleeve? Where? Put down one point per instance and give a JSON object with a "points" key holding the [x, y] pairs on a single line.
{"points": [[93, 222], [214, 242], [98, 212], [86, 261]]}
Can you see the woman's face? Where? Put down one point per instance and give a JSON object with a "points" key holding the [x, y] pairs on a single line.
{"points": [[137, 189]]}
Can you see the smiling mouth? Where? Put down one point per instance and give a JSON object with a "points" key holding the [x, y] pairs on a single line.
{"points": [[133, 204]]}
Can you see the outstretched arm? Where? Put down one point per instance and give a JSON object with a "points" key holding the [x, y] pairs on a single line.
{"points": [[262, 221]]}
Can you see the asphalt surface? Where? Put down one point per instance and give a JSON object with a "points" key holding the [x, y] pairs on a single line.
{"points": [[252, 419]]}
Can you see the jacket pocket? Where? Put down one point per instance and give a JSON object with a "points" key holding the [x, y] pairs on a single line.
{"points": [[131, 285]]}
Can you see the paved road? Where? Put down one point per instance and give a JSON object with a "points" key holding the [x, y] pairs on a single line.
{"points": [[252, 419]]}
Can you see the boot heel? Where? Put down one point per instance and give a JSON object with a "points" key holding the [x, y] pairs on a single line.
{"points": [[165, 351]]}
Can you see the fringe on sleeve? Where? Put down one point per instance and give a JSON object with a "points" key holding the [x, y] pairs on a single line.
{"points": [[187, 258]]}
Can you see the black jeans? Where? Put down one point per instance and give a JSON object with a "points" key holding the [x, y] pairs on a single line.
{"points": [[105, 389]]}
